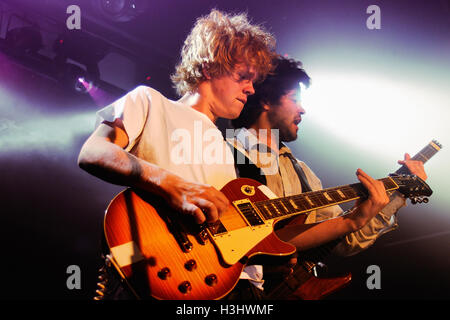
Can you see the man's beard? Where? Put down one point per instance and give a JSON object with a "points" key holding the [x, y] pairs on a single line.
{"points": [[287, 135]]}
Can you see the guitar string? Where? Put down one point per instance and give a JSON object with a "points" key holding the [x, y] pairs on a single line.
{"points": [[317, 197]]}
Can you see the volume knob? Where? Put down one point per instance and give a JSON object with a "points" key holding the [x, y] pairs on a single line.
{"points": [[190, 265], [164, 273], [185, 287], [211, 280]]}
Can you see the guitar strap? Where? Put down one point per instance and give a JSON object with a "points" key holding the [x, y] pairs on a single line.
{"points": [[245, 168], [300, 173]]}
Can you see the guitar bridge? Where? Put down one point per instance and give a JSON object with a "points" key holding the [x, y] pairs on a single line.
{"points": [[184, 242], [216, 228], [180, 236], [202, 236]]}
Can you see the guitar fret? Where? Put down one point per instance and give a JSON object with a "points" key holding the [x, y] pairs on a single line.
{"points": [[303, 204], [282, 204], [289, 205], [349, 193], [281, 208], [358, 190], [274, 210], [429, 151], [322, 199], [294, 204], [280, 211], [341, 194], [423, 157], [316, 200], [327, 196], [335, 195], [263, 209], [309, 201]]}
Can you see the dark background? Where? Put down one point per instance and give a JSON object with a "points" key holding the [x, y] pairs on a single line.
{"points": [[52, 211]]}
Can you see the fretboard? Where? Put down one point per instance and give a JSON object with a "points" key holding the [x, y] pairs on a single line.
{"points": [[308, 201]]}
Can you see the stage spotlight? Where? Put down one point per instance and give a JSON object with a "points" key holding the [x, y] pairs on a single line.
{"points": [[121, 10], [24, 39], [76, 78], [84, 85]]}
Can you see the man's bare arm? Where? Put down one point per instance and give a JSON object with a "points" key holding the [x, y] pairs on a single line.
{"points": [[103, 156]]}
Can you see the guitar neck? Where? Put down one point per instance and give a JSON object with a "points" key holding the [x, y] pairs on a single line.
{"points": [[309, 201], [423, 155]]}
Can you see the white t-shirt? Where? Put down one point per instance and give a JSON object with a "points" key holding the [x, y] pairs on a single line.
{"points": [[172, 136]]}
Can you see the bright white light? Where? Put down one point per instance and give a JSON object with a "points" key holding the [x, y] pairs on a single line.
{"points": [[44, 132], [376, 114]]}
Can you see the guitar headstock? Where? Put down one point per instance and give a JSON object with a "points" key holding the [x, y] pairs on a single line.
{"points": [[412, 187], [437, 144]]}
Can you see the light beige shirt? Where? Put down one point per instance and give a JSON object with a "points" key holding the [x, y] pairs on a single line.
{"points": [[285, 182]]}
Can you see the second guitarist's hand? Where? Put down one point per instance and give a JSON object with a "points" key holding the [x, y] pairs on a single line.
{"points": [[414, 166], [310, 235], [365, 210]]}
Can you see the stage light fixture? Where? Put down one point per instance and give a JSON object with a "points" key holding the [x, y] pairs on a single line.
{"points": [[76, 78], [82, 48], [84, 85], [121, 10]]}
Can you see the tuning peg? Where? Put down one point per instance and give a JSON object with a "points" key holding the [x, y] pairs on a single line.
{"points": [[437, 143], [415, 200]]}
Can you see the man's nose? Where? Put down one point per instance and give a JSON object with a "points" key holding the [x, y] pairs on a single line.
{"points": [[300, 108], [249, 90]]}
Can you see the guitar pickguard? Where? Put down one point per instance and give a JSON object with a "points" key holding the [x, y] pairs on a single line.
{"points": [[231, 246]]}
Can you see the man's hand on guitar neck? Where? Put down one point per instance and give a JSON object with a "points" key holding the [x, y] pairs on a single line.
{"points": [[365, 210], [203, 202], [310, 235], [414, 166]]}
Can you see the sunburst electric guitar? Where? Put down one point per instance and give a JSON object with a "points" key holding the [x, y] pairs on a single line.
{"points": [[165, 255]]}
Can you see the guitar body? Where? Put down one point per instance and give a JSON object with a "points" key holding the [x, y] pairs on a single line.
{"points": [[165, 255], [144, 234]]}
